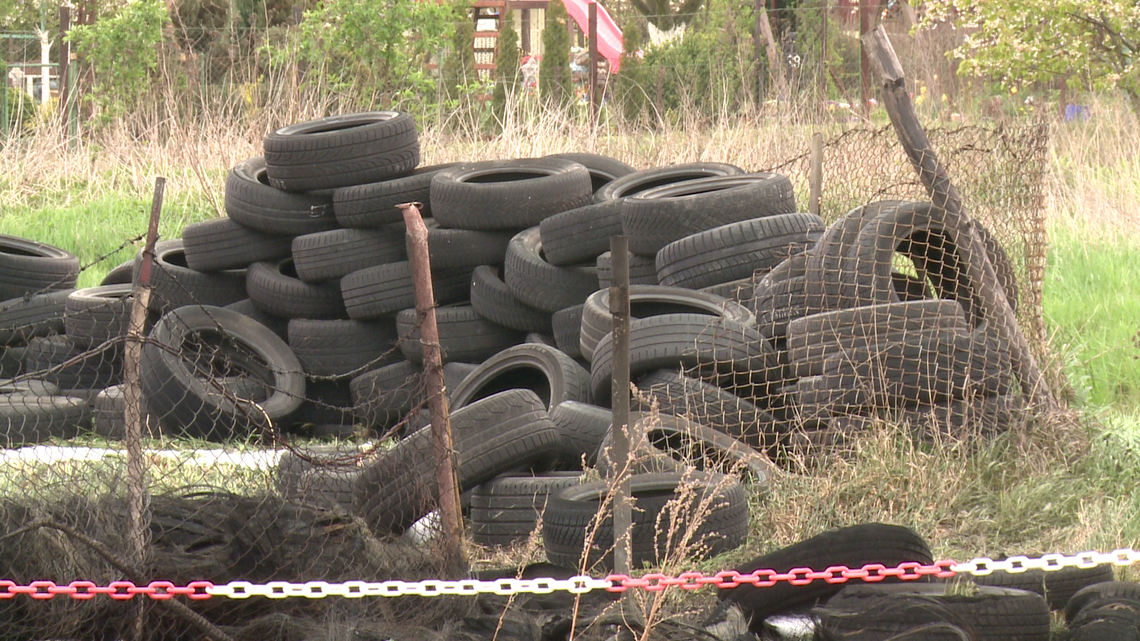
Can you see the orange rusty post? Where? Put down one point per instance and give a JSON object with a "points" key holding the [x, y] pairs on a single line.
{"points": [[451, 517]]}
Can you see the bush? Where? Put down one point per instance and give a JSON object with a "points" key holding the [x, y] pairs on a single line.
{"points": [[362, 47], [123, 50], [555, 82], [506, 72], [21, 110]]}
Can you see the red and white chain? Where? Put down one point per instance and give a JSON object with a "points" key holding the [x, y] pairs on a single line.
{"points": [[654, 582]]}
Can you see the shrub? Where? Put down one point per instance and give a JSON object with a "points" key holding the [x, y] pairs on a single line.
{"points": [[555, 82]]}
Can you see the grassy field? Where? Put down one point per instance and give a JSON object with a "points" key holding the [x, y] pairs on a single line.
{"points": [[1061, 486]]}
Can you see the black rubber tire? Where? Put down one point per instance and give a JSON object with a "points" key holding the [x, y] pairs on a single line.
{"points": [[251, 201], [85, 369], [342, 347], [465, 248], [740, 290], [954, 364], [12, 360], [334, 254], [582, 428], [923, 369], [541, 285], [120, 274], [733, 355], [493, 300], [550, 374], [507, 508], [25, 318], [667, 443], [825, 267], [780, 303], [385, 395], [374, 204], [1110, 622], [915, 230], [736, 250], [646, 301], [571, 516], [567, 327], [173, 284], [27, 419], [464, 337], [654, 218], [709, 405], [328, 404], [642, 270], [508, 194], [383, 290], [276, 290], [507, 431], [30, 267], [108, 415], [339, 151], [192, 406], [1101, 592], [32, 386], [1056, 586], [580, 235], [853, 547], [223, 243], [275, 324], [813, 338], [603, 169], [900, 611], [454, 373], [646, 179], [335, 461], [97, 315]]}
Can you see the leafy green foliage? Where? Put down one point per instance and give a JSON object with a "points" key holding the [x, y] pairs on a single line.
{"points": [[21, 109], [698, 74], [506, 70], [123, 50], [375, 46], [555, 83], [631, 84], [459, 63], [668, 14], [1089, 44], [207, 28]]}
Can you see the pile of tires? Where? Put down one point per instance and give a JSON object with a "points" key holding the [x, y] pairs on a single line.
{"points": [[755, 328], [37, 287], [878, 320]]}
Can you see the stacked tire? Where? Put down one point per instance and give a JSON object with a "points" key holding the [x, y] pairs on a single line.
{"points": [[877, 320], [55, 375]]}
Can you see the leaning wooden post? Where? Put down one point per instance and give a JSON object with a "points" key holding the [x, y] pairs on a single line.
{"points": [[451, 516], [944, 196]]}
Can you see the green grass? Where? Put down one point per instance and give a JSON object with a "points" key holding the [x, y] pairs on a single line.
{"points": [[1092, 307], [95, 227]]}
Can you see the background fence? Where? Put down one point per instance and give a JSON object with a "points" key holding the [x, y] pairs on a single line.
{"points": [[232, 484]]}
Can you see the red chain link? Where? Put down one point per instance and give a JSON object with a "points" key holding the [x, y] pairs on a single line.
{"points": [[870, 573], [117, 590]]}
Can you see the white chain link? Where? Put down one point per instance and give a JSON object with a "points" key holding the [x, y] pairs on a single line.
{"points": [[360, 589], [983, 566]]}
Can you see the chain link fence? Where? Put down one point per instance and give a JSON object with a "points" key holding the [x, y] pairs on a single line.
{"points": [[280, 392]]}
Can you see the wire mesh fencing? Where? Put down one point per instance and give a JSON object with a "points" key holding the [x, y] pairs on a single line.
{"points": [[276, 428]]}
